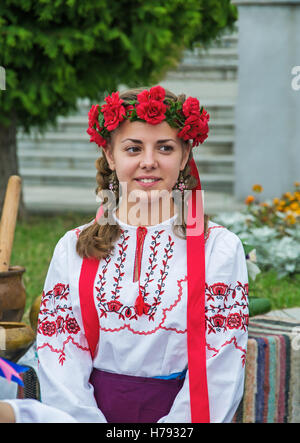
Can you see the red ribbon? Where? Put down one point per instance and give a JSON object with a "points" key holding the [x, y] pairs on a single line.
{"points": [[140, 237], [196, 334]]}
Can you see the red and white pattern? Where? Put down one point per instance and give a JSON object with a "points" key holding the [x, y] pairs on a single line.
{"points": [[116, 310], [56, 318]]}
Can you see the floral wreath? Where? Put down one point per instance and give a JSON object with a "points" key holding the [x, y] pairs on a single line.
{"points": [[152, 107]]}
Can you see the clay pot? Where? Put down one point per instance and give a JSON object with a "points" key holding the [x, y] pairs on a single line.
{"points": [[12, 294], [16, 339]]}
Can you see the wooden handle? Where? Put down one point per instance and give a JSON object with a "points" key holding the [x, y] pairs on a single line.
{"points": [[8, 220]]}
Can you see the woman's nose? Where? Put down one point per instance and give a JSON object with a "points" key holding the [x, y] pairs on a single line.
{"points": [[148, 159]]}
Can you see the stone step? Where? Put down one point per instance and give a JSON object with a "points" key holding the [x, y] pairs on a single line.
{"points": [[227, 41], [221, 72], [214, 63], [216, 55], [56, 158], [67, 198]]}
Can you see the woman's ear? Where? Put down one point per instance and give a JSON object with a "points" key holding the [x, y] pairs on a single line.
{"points": [[108, 152], [185, 156]]}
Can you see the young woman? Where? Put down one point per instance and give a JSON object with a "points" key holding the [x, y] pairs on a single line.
{"points": [[144, 312]]}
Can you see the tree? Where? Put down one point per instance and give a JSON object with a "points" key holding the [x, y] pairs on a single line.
{"points": [[56, 51]]}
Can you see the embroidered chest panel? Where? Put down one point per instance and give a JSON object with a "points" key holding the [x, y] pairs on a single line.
{"points": [[162, 286]]}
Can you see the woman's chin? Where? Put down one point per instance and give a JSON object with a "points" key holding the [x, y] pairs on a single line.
{"points": [[149, 196]]}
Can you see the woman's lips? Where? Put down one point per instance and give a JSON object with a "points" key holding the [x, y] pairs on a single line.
{"points": [[147, 184]]}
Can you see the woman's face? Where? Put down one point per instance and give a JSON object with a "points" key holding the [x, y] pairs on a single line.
{"points": [[143, 151]]}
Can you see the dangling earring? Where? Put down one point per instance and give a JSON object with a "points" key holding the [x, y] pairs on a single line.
{"points": [[113, 182], [180, 184]]}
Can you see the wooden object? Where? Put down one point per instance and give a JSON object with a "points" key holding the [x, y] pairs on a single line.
{"points": [[8, 220], [12, 290], [16, 338]]}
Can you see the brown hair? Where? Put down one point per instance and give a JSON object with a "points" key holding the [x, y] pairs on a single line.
{"points": [[97, 240]]}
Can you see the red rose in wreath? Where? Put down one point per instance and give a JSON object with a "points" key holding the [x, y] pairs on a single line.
{"points": [[113, 111], [191, 106], [152, 111], [96, 137], [93, 116], [151, 107]]}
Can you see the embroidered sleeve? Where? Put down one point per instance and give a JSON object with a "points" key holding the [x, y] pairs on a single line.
{"points": [[226, 327], [226, 333], [65, 363]]}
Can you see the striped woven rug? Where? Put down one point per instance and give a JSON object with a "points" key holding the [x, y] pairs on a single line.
{"points": [[272, 377]]}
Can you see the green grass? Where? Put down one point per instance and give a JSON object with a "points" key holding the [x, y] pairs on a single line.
{"points": [[282, 293], [36, 238]]}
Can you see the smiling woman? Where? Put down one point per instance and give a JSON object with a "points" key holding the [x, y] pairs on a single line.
{"points": [[133, 153], [144, 313], [146, 164]]}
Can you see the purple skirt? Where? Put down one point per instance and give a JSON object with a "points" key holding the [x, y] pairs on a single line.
{"points": [[130, 399]]}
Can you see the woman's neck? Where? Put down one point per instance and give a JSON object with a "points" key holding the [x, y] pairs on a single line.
{"points": [[145, 215]]}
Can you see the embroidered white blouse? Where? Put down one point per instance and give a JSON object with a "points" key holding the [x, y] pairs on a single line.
{"points": [[154, 344]]}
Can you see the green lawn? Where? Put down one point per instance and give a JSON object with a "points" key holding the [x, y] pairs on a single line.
{"points": [[283, 293], [36, 238]]}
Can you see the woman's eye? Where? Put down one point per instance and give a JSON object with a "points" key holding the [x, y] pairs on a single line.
{"points": [[166, 148], [135, 149]]}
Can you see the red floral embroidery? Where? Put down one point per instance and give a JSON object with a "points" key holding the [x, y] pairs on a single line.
{"points": [[54, 306], [128, 312], [72, 326], [161, 324], [124, 311], [218, 320], [114, 305], [218, 290], [226, 307], [59, 290], [234, 321], [48, 328]]}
